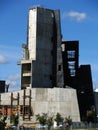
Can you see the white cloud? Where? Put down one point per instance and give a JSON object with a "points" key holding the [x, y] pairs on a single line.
{"points": [[14, 77], [95, 84], [95, 67], [3, 60], [10, 51], [13, 80], [74, 15]]}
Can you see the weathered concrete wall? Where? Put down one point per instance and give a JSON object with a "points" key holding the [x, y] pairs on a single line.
{"points": [[42, 66], [59, 64], [32, 34], [44, 49], [52, 100]]}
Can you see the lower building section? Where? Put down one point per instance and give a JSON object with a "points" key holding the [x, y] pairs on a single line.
{"points": [[30, 102], [85, 90]]}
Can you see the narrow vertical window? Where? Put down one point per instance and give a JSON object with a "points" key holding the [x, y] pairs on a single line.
{"points": [[59, 67]]}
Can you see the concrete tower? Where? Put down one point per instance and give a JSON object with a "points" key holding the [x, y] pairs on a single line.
{"points": [[41, 66]]}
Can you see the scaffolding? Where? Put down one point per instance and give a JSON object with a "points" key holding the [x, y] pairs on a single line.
{"points": [[23, 107], [26, 106], [12, 101]]}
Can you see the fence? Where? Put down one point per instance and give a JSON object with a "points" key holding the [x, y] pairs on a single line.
{"points": [[60, 128]]}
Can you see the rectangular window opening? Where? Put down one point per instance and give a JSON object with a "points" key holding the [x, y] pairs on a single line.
{"points": [[59, 67]]}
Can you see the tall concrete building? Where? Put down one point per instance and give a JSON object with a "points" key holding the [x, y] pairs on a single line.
{"points": [[41, 66]]}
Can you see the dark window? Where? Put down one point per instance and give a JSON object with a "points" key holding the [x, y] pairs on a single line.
{"points": [[71, 66], [72, 72], [26, 110], [51, 39], [59, 67], [71, 54], [50, 77], [51, 52], [21, 109]]}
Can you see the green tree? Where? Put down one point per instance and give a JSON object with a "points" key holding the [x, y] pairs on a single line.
{"points": [[50, 120], [68, 120], [58, 118], [90, 116], [42, 118], [14, 119], [3, 123]]}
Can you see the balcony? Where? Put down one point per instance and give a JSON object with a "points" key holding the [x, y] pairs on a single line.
{"points": [[26, 85], [26, 73]]}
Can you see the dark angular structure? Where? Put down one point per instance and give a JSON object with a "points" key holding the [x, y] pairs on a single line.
{"points": [[2, 86], [70, 53], [77, 77], [85, 89]]}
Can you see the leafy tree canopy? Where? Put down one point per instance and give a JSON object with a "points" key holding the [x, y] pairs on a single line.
{"points": [[58, 118], [2, 122]]}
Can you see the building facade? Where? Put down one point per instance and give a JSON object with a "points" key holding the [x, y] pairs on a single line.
{"points": [[78, 76], [40, 100], [41, 66], [70, 54]]}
